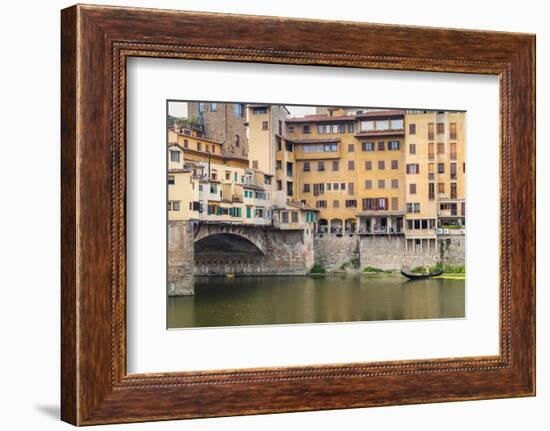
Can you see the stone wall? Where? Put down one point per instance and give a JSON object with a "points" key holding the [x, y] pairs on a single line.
{"points": [[180, 258], [452, 249], [390, 253], [334, 250]]}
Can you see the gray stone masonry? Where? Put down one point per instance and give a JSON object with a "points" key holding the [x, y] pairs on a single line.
{"points": [[180, 258], [334, 250], [384, 251]]}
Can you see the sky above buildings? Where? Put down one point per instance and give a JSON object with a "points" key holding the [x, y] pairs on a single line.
{"points": [[179, 109]]}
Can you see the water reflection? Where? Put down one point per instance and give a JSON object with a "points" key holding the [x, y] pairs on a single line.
{"points": [[220, 301]]}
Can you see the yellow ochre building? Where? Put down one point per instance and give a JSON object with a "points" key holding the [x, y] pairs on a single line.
{"points": [[387, 172]]}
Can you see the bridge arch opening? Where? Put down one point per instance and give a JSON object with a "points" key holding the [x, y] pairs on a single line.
{"points": [[224, 253], [226, 245]]}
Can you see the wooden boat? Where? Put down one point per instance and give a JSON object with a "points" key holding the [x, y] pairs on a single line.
{"points": [[420, 276]]}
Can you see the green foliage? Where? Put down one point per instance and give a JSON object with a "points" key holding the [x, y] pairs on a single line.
{"points": [[449, 269], [454, 269], [372, 269], [317, 268], [189, 123]]}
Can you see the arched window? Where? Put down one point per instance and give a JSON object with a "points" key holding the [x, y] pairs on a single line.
{"points": [[336, 225], [237, 140], [323, 225]]}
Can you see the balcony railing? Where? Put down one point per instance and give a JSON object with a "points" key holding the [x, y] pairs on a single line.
{"points": [[379, 230], [451, 230]]}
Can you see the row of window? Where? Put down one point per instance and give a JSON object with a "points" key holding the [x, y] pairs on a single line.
{"points": [[335, 165], [319, 188], [257, 212], [365, 146], [329, 129], [382, 184], [440, 128], [175, 155], [238, 108], [368, 204], [349, 127], [379, 125], [372, 146], [349, 203], [319, 148], [440, 150], [287, 216], [257, 195], [420, 224], [376, 125], [220, 211], [414, 168]]}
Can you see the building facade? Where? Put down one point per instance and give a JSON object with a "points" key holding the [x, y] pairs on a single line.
{"points": [[387, 172], [204, 185]]}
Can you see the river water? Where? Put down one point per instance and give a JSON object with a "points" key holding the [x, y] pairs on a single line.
{"points": [[220, 301]]}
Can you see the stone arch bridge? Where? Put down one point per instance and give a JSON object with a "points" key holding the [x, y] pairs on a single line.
{"points": [[221, 249]]}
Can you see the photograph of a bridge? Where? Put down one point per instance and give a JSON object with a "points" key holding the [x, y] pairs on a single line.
{"points": [[286, 214]]}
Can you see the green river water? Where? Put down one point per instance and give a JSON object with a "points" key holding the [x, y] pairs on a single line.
{"points": [[238, 301]]}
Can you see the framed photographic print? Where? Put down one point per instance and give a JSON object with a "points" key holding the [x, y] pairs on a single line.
{"points": [[280, 220]]}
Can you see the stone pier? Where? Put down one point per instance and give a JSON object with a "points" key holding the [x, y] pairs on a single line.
{"points": [[180, 258]]}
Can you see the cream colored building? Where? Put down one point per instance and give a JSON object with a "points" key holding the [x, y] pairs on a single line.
{"points": [[203, 185]]}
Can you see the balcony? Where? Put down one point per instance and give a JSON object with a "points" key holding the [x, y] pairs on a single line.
{"points": [[454, 230], [380, 230], [448, 213]]}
